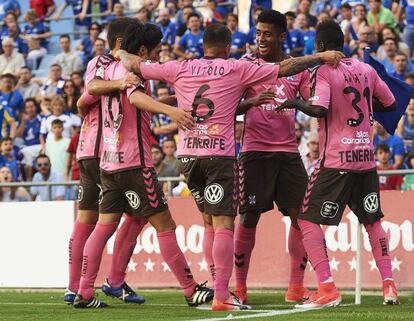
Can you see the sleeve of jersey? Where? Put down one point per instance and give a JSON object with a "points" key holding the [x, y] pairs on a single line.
{"points": [[381, 91], [304, 85], [320, 87], [251, 74], [89, 99], [165, 72]]}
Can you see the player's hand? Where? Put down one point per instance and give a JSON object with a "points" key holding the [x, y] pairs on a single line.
{"points": [[331, 57], [286, 104], [130, 61], [182, 118], [130, 80], [262, 98]]}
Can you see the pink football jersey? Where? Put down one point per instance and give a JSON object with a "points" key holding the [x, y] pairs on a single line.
{"points": [[90, 145], [211, 89], [345, 134], [265, 129], [126, 129]]}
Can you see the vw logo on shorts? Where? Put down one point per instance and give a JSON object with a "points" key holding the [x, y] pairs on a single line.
{"points": [[371, 204], [80, 193], [133, 199], [214, 193]]}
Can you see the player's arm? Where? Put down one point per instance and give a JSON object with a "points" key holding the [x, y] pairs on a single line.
{"points": [[170, 100], [377, 106], [262, 98], [165, 129], [305, 107], [292, 66], [181, 117], [99, 87]]}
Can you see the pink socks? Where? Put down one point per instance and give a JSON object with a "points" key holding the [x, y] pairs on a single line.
{"points": [[175, 259], [126, 239], [208, 241], [223, 250], [379, 244], [80, 234], [298, 256], [243, 246], [314, 243], [92, 255]]}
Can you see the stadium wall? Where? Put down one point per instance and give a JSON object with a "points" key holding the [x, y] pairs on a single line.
{"points": [[34, 238]]}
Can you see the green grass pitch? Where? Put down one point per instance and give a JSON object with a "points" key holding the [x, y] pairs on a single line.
{"points": [[170, 305]]}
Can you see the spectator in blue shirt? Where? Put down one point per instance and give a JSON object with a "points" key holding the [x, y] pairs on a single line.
{"points": [[180, 18], [395, 143], [331, 6], [294, 43], [45, 174], [11, 99], [407, 7], [238, 39], [9, 5], [304, 8], [80, 8], [7, 158], [13, 32], [86, 44], [29, 131], [390, 48], [307, 34], [400, 66], [168, 28], [36, 33], [251, 36], [190, 45]]}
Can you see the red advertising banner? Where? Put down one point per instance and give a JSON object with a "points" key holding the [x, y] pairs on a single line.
{"points": [[269, 267]]}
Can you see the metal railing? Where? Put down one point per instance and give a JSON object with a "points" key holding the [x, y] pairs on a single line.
{"points": [[49, 185]]}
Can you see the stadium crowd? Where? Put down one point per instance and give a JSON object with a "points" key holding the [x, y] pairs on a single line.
{"points": [[40, 121]]}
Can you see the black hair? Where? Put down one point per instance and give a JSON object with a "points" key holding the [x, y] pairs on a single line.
{"points": [[277, 19], [290, 14], [96, 25], [55, 65], [42, 156], [6, 139], [57, 121], [383, 147], [65, 35], [192, 14], [117, 29], [138, 34], [26, 67], [330, 34], [156, 146], [162, 85], [234, 16], [258, 8], [217, 35], [100, 39], [34, 103], [346, 5]]}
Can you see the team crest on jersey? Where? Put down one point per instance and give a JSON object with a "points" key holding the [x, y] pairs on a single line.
{"points": [[214, 129], [214, 193], [100, 72], [252, 199], [329, 209], [133, 199], [371, 203]]}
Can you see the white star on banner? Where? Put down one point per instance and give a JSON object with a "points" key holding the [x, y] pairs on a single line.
{"points": [[149, 265], [165, 267], [373, 265], [203, 265], [352, 264], [132, 265], [396, 264], [333, 264]]}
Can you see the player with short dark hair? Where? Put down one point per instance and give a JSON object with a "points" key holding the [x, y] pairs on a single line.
{"points": [[271, 168], [129, 182], [88, 154], [212, 87], [343, 100]]}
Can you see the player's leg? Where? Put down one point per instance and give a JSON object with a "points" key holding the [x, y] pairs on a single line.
{"points": [[208, 241], [257, 182], [86, 219], [146, 198], [125, 242], [365, 203], [325, 199], [111, 207], [290, 189]]}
